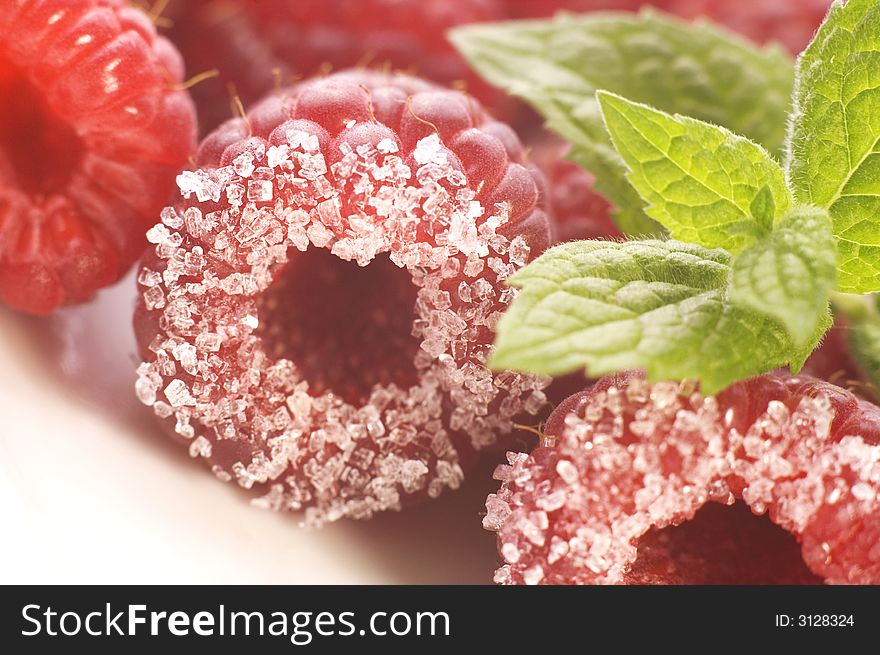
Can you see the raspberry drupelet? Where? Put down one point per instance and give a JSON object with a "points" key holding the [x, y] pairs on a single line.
{"points": [[254, 43], [93, 129], [641, 483], [317, 314]]}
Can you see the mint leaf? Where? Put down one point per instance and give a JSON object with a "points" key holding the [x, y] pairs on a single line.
{"points": [[657, 305], [833, 156], [692, 69], [701, 181], [789, 275]]}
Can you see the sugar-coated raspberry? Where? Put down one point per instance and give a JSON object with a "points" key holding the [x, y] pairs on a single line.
{"points": [[634, 481], [790, 22], [92, 132], [317, 315], [578, 211], [252, 43]]}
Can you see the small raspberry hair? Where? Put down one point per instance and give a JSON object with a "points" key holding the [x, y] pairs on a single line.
{"points": [[317, 314], [625, 460], [254, 44], [93, 128], [790, 22]]}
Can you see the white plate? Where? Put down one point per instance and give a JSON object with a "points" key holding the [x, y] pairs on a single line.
{"points": [[92, 492]]}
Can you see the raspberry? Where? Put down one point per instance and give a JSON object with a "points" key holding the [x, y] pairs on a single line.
{"points": [[790, 22], [626, 460], [578, 211], [317, 315], [835, 361], [92, 132], [543, 8], [252, 42]]}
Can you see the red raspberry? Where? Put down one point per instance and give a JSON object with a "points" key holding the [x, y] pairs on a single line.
{"points": [[626, 460], [835, 361], [321, 304], [791, 22], [578, 211], [92, 132], [544, 8], [252, 42]]}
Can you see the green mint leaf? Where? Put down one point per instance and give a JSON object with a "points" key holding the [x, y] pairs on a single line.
{"points": [[701, 181], [657, 305], [691, 69], [789, 275], [833, 155]]}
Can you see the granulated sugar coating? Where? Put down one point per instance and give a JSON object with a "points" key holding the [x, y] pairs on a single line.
{"points": [[626, 460], [320, 306]]}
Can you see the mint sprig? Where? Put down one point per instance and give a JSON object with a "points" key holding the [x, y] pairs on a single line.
{"points": [[767, 246], [657, 305], [697, 70], [714, 188]]}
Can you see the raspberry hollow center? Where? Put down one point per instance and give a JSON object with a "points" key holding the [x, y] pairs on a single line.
{"points": [[346, 327], [721, 545], [38, 149]]}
